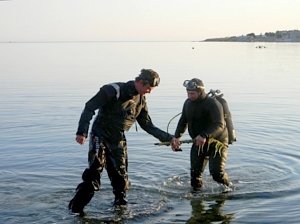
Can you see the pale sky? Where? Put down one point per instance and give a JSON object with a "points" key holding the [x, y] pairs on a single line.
{"points": [[143, 20]]}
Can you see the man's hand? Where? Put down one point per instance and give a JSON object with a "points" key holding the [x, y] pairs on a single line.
{"points": [[80, 139], [199, 140], [175, 144]]}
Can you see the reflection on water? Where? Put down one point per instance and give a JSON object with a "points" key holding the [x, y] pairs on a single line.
{"points": [[209, 211]]}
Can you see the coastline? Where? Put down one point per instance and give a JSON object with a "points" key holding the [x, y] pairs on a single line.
{"points": [[278, 36]]}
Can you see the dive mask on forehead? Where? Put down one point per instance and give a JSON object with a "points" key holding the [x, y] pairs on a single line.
{"points": [[193, 84], [155, 82]]}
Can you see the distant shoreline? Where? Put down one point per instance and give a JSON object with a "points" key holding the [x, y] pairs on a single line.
{"points": [[278, 36]]}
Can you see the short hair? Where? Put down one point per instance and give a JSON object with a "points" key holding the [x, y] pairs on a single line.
{"points": [[148, 76]]}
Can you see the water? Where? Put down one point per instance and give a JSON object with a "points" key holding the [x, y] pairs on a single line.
{"points": [[43, 90]]}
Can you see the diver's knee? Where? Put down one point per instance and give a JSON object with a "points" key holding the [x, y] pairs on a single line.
{"points": [[92, 177]]}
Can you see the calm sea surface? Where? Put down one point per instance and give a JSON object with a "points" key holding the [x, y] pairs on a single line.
{"points": [[44, 87]]}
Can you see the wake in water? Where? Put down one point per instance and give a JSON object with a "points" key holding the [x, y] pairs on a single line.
{"points": [[181, 184], [148, 203], [174, 200]]}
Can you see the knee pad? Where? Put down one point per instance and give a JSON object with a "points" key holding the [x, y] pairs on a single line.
{"points": [[92, 178], [90, 175]]}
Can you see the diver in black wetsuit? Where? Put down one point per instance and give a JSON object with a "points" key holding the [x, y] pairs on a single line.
{"points": [[204, 118], [119, 105]]}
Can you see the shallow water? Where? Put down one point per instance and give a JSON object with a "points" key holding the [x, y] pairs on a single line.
{"points": [[43, 90]]}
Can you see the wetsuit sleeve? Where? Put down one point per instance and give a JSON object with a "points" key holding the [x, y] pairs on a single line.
{"points": [[146, 124], [105, 95], [182, 123]]}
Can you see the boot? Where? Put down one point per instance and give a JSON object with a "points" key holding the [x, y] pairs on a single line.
{"points": [[120, 199], [196, 183], [84, 194]]}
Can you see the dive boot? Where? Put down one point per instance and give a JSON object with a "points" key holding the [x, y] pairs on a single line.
{"points": [[83, 196], [120, 200]]}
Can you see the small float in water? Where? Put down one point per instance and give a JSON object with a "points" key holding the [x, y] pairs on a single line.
{"points": [[260, 46]]}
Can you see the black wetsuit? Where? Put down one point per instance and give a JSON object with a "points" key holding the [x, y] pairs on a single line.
{"points": [[119, 105], [205, 117]]}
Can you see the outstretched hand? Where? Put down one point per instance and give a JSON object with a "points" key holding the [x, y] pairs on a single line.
{"points": [[175, 144]]}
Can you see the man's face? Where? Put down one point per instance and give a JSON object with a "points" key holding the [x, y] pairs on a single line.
{"points": [[143, 89], [192, 95]]}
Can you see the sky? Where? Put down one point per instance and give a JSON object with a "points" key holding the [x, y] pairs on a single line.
{"points": [[143, 20]]}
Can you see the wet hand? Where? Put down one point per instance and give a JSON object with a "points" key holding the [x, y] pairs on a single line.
{"points": [[199, 140], [175, 144], [80, 139]]}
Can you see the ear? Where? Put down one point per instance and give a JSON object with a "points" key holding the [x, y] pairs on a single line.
{"points": [[140, 82]]}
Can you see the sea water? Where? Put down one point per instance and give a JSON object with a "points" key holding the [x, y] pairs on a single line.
{"points": [[44, 87]]}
